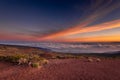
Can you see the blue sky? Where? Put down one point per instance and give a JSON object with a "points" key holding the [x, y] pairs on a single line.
{"points": [[34, 19]]}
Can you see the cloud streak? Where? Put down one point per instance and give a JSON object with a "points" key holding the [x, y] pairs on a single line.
{"points": [[108, 38], [99, 27], [83, 27]]}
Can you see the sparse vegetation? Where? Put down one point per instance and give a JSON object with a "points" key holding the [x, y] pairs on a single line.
{"points": [[13, 57], [90, 60], [22, 55], [35, 65], [34, 56], [98, 59], [31, 60]]}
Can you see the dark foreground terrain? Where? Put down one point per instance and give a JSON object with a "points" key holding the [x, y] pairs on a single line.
{"points": [[59, 67], [64, 69]]}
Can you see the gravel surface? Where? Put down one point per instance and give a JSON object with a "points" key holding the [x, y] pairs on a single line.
{"points": [[64, 69]]}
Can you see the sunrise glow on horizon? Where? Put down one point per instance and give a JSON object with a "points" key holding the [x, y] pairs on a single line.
{"points": [[60, 21]]}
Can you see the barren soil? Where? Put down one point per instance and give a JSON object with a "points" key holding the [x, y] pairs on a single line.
{"points": [[63, 69]]}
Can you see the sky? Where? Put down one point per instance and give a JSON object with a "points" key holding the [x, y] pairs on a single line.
{"points": [[60, 20]]}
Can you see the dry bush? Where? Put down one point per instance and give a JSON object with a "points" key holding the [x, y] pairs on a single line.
{"points": [[31, 59], [36, 65], [90, 60], [98, 59]]}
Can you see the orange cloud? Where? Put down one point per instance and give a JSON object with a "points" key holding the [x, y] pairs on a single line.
{"points": [[99, 27], [109, 38], [83, 26]]}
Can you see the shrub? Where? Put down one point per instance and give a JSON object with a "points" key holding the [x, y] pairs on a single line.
{"points": [[35, 65], [90, 60], [11, 58], [31, 59], [22, 61], [43, 61], [15, 57], [98, 59], [35, 58]]}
